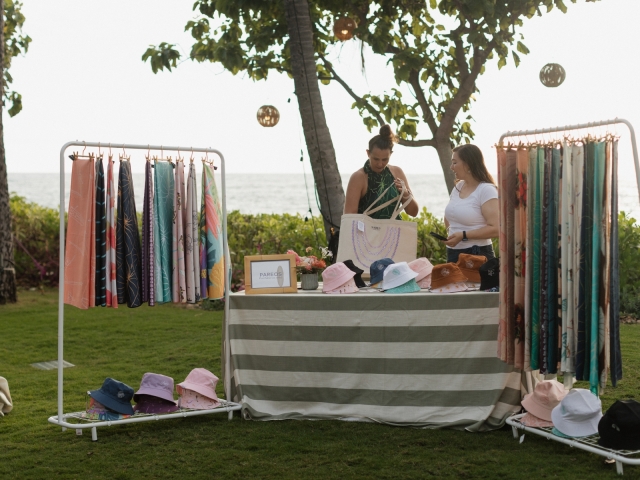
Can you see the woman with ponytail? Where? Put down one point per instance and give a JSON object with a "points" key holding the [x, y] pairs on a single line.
{"points": [[368, 183]]}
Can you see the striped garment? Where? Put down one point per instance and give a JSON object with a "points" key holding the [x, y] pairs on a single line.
{"points": [[424, 360], [111, 292]]}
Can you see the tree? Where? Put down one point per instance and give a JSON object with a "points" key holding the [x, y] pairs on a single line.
{"points": [[12, 43], [300, 47], [438, 62]]}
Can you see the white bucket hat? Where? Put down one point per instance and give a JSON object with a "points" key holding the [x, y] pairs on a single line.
{"points": [[397, 274], [577, 414]]}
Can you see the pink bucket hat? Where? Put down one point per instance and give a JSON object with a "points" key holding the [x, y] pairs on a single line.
{"points": [[530, 420], [201, 381], [425, 282], [196, 401], [336, 275], [422, 267], [544, 399], [349, 287], [156, 385]]}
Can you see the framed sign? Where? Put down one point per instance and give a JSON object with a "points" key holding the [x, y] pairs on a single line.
{"points": [[270, 274]]}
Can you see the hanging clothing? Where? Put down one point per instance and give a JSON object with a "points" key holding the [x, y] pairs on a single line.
{"points": [[614, 285], [604, 355], [128, 251], [552, 263], [162, 230], [566, 262], [101, 237], [80, 259], [211, 254], [520, 253], [530, 184], [377, 183], [178, 273], [577, 157], [538, 173], [111, 290], [192, 247], [148, 257]]}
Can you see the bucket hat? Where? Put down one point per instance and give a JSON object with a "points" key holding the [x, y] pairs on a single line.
{"points": [[335, 275], [357, 278], [545, 397], [469, 266], [6, 405], [97, 411], [156, 385], [115, 396], [619, 428], [377, 269], [409, 287], [577, 414], [201, 381], [153, 404], [447, 274], [196, 401], [422, 267], [425, 282], [530, 420], [349, 287], [490, 274], [397, 274]]}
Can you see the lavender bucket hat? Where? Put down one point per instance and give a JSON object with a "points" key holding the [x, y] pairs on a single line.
{"points": [[156, 385]]}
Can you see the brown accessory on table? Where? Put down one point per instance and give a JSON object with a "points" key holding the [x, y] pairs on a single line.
{"points": [[470, 265], [445, 274]]}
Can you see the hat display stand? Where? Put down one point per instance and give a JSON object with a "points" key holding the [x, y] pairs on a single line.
{"points": [[589, 443], [74, 420]]}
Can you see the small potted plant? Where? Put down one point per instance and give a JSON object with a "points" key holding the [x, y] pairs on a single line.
{"points": [[309, 266]]}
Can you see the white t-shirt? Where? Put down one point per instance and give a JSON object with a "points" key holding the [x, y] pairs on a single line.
{"points": [[465, 214]]}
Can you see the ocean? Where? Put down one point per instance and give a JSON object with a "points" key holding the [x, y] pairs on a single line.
{"points": [[277, 193]]}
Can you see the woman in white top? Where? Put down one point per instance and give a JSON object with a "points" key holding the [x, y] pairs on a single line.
{"points": [[472, 215]]}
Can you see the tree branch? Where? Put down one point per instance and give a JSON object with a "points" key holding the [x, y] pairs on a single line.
{"points": [[417, 143], [427, 114]]}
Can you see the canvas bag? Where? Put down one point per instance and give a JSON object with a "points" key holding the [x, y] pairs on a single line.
{"points": [[364, 239]]}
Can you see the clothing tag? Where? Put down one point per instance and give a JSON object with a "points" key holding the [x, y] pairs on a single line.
{"points": [[78, 431], [361, 225]]}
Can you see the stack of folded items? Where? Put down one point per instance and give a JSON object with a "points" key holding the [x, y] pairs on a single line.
{"points": [[399, 278]]}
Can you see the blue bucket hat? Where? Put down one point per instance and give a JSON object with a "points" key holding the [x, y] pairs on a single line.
{"points": [[115, 396], [409, 287], [377, 269]]}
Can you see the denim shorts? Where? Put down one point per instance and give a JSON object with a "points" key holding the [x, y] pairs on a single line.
{"points": [[454, 253]]}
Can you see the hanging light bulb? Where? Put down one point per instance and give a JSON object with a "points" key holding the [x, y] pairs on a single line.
{"points": [[343, 28], [552, 75], [268, 116]]}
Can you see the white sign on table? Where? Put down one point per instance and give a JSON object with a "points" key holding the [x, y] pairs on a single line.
{"points": [[270, 274]]}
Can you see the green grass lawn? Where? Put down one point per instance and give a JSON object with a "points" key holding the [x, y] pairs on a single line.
{"points": [[125, 343]]}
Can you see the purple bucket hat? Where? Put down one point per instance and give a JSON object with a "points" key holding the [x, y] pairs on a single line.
{"points": [[152, 404], [200, 380], [156, 385]]}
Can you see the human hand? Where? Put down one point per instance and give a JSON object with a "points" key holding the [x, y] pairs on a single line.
{"points": [[402, 188], [454, 239]]}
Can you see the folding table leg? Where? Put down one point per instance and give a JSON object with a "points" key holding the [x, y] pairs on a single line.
{"points": [[619, 467], [515, 432], [230, 414], [94, 434]]}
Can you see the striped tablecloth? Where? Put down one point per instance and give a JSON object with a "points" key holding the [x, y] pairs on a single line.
{"points": [[417, 359]]}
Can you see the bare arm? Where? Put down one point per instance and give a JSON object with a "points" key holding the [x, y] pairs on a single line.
{"points": [[411, 209], [490, 212], [355, 191]]}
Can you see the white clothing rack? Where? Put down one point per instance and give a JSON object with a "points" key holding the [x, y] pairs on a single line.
{"points": [[582, 126], [226, 406]]}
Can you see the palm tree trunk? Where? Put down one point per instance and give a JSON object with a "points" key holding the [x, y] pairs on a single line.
{"points": [[316, 133], [7, 270]]}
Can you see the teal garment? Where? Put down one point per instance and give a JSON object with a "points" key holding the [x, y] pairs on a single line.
{"points": [[598, 187], [376, 184], [163, 229], [538, 192], [553, 261]]}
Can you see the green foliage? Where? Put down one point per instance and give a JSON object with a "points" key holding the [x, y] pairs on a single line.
{"points": [[15, 43], [429, 247], [629, 242], [439, 64], [36, 243]]}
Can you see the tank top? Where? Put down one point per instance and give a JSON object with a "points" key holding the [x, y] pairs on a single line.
{"points": [[376, 184]]}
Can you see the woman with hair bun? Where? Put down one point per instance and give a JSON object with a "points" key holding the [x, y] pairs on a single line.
{"points": [[472, 215], [368, 183]]}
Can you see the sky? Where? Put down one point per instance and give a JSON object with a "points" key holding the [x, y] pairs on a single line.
{"points": [[83, 79]]}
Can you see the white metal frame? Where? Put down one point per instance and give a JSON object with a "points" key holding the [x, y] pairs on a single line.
{"points": [[61, 418], [582, 126], [588, 444]]}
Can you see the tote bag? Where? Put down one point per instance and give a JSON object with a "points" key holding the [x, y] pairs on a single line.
{"points": [[364, 239]]}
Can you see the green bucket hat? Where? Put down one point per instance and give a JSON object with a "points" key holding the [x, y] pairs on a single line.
{"points": [[409, 287]]}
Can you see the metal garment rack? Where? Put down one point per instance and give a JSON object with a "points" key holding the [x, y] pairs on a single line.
{"points": [[61, 418], [620, 457]]}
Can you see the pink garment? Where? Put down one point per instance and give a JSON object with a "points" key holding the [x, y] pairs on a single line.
{"points": [[112, 289], [80, 257], [179, 293]]}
